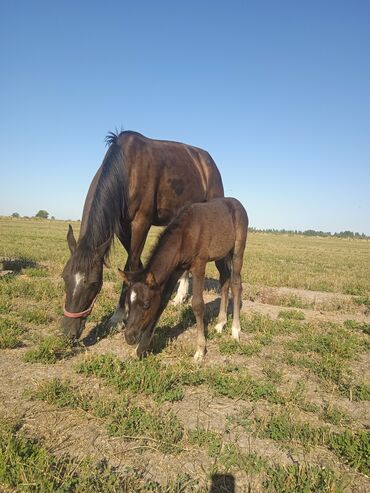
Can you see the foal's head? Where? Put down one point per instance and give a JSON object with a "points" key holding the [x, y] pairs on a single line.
{"points": [[82, 282], [143, 299]]}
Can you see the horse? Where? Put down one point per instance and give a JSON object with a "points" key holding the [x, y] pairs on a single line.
{"points": [[200, 233], [141, 182]]}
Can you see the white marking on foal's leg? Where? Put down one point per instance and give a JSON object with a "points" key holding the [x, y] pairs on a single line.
{"points": [[117, 318], [235, 332], [219, 327], [199, 355], [183, 290]]}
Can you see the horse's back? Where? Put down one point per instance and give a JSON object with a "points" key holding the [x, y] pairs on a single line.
{"points": [[217, 225], [167, 175]]}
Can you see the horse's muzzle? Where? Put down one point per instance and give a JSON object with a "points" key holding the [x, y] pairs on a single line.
{"points": [[132, 337], [72, 327]]}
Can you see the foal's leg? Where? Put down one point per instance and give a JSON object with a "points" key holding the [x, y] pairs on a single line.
{"points": [[236, 287], [183, 289], [198, 273], [223, 267]]}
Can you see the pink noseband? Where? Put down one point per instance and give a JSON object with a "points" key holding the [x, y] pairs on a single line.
{"points": [[85, 313]]}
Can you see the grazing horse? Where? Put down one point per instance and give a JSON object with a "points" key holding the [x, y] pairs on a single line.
{"points": [[200, 233], [141, 182]]}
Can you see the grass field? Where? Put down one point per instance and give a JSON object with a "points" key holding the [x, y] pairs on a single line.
{"points": [[285, 410]]}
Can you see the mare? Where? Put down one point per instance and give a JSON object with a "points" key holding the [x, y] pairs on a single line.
{"points": [[141, 182], [200, 233]]}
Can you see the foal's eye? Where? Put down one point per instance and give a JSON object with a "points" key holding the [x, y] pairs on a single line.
{"points": [[146, 305]]}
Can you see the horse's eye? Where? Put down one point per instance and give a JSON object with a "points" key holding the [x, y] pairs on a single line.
{"points": [[146, 305]]}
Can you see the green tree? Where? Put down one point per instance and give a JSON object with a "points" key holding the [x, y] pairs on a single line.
{"points": [[16, 214], [43, 214]]}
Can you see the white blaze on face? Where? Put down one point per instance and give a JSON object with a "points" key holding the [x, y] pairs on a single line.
{"points": [[133, 296], [79, 277]]}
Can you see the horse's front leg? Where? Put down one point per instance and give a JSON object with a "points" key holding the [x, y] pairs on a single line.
{"points": [[198, 273], [133, 241]]}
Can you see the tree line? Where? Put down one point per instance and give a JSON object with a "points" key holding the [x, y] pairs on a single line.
{"points": [[312, 232]]}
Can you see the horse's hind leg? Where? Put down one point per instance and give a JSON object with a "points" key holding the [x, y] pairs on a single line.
{"points": [[183, 289], [236, 286], [198, 273], [223, 267]]}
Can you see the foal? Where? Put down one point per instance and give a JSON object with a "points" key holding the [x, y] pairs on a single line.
{"points": [[200, 233]]}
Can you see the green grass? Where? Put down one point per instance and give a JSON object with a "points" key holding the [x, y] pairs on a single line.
{"points": [[352, 447], [50, 350], [35, 315], [356, 326], [27, 466], [334, 341], [148, 376], [10, 334], [209, 439], [291, 315], [331, 369], [265, 325], [303, 478], [122, 416], [166, 383], [230, 346]]}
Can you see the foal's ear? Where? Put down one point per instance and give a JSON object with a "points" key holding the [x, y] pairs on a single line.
{"points": [[150, 280], [71, 240], [125, 276]]}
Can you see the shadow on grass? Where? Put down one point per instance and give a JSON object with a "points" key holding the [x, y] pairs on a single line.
{"points": [[222, 483], [166, 333], [99, 331], [16, 265]]}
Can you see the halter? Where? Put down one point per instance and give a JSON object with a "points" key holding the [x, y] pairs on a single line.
{"points": [[85, 313]]}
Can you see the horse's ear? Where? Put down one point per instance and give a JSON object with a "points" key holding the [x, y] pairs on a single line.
{"points": [[71, 240], [103, 248], [150, 280]]}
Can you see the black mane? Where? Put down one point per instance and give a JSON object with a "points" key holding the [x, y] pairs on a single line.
{"points": [[107, 207]]}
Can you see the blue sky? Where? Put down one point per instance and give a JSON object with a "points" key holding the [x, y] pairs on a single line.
{"points": [[277, 91]]}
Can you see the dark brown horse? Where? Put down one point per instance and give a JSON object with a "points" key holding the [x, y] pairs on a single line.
{"points": [[200, 233], [141, 182]]}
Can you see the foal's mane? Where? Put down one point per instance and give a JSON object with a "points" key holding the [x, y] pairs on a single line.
{"points": [[107, 206]]}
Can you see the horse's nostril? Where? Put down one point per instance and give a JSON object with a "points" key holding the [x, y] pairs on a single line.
{"points": [[130, 338]]}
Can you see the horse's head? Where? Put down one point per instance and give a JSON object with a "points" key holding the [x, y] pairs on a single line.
{"points": [[82, 283], [142, 303]]}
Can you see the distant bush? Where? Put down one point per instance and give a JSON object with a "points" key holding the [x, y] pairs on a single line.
{"points": [[42, 214], [16, 214]]}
